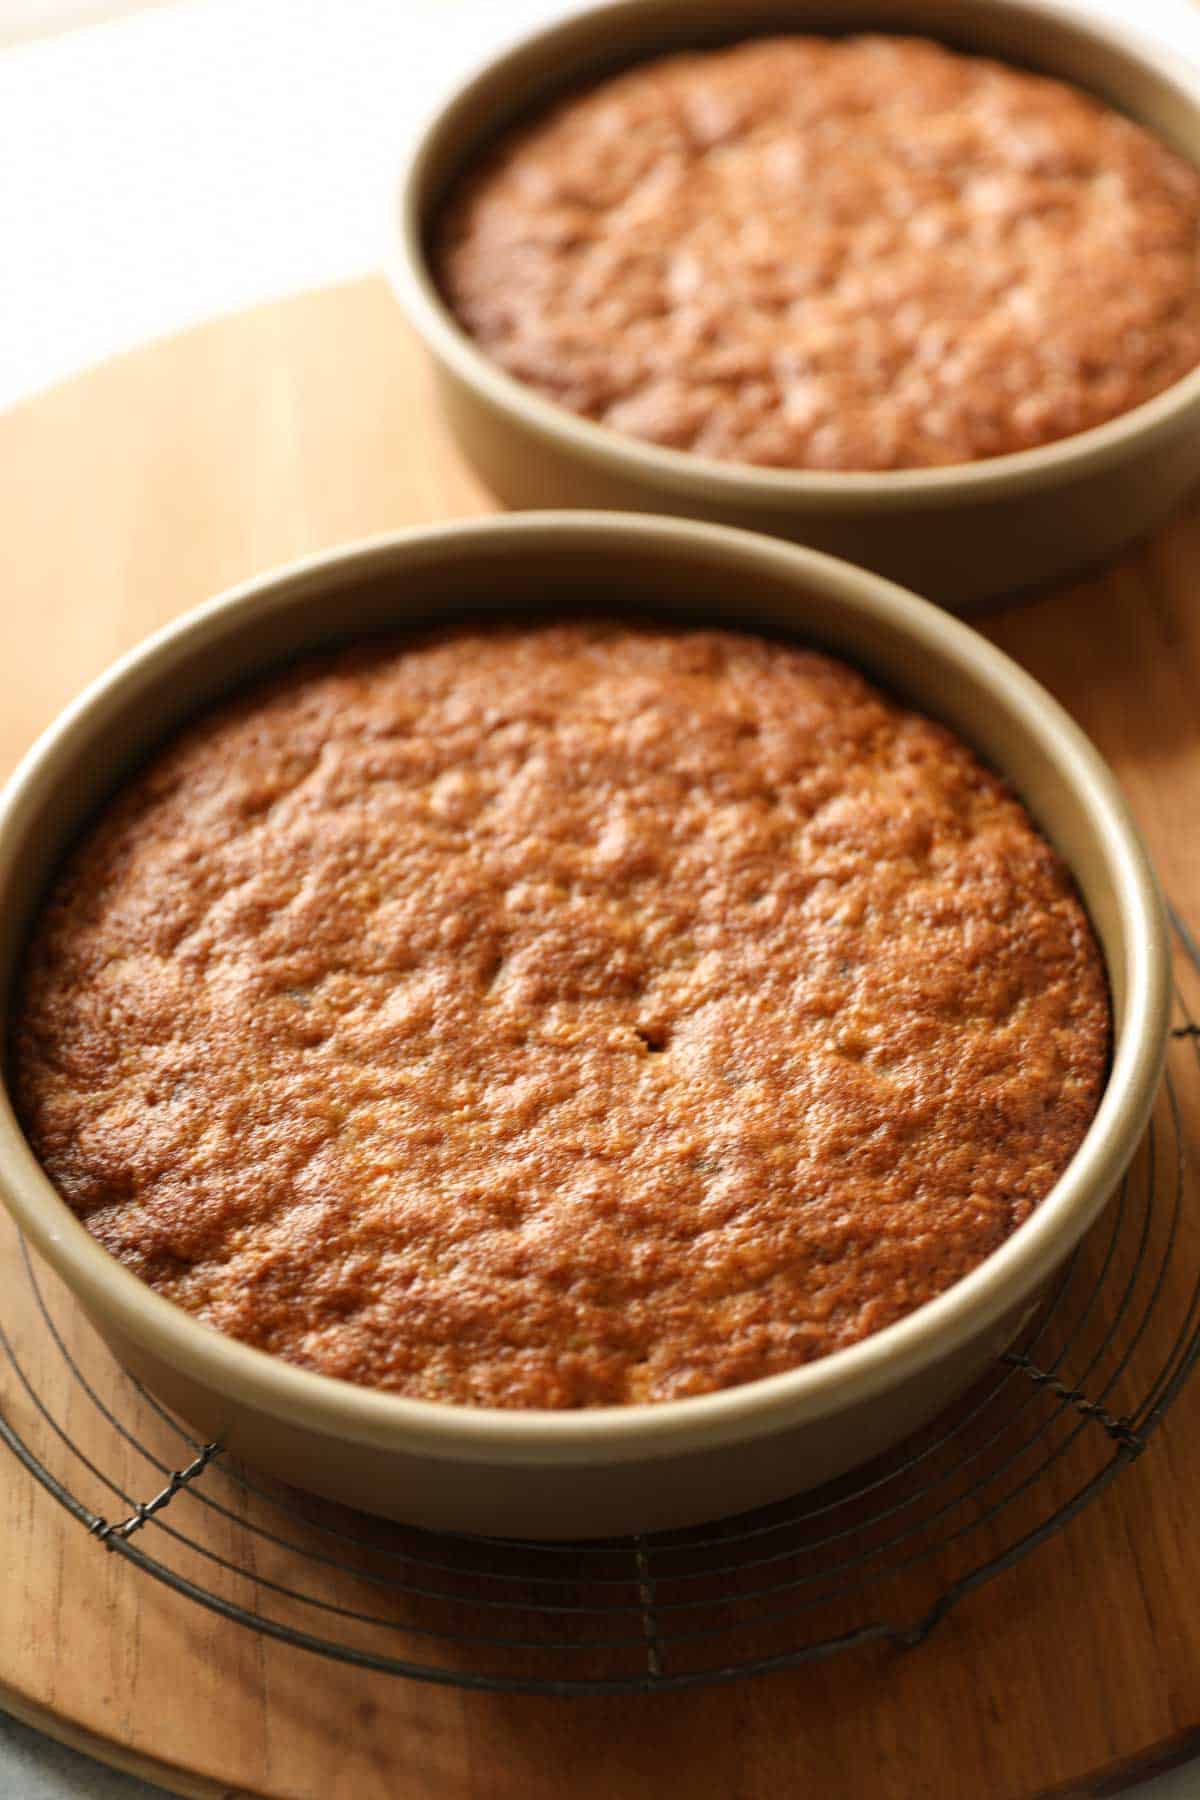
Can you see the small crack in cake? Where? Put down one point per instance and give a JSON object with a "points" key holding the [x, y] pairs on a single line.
{"points": [[559, 1013], [865, 253]]}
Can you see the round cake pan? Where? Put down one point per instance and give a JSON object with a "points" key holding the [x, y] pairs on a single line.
{"points": [[963, 534], [612, 1469]]}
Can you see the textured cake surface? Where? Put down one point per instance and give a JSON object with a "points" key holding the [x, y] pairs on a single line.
{"points": [[847, 254], [559, 1014]]}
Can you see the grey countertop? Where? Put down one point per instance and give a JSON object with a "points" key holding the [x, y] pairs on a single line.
{"points": [[33, 1767]]}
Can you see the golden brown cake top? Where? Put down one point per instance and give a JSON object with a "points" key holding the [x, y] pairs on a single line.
{"points": [[858, 253], [560, 1014]]}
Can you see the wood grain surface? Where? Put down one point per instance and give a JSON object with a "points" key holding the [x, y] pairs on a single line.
{"points": [[132, 494]]}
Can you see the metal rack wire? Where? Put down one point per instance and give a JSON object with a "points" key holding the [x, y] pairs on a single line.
{"points": [[879, 1557]]}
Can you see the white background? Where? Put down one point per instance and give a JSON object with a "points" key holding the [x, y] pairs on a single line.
{"points": [[188, 158]]}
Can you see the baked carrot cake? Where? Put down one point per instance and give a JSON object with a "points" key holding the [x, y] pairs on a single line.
{"points": [[559, 1014], [860, 253]]}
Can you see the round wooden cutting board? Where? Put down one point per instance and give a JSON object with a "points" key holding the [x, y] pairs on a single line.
{"points": [[129, 496]]}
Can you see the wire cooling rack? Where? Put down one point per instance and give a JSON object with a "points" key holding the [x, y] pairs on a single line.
{"points": [[880, 1556]]}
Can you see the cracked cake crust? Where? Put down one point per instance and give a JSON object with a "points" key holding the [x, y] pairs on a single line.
{"points": [[867, 253], [559, 1014]]}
